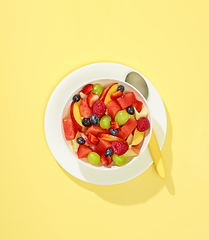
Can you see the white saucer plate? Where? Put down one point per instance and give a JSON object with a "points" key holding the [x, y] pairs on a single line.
{"points": [[54, 137]]}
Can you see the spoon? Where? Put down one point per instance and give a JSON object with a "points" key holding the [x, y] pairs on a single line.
{"points": [[140, 84]]}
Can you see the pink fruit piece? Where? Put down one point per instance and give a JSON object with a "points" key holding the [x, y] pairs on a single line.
{"points": [[143, 124], [119, 148], [99, 108]]}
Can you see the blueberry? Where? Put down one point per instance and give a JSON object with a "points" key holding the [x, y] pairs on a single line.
{"points": [[130, 110], [108, 152], [94, 119], [113, 132], [80, 141], [121, 88], [76, 98], [86, 122]]}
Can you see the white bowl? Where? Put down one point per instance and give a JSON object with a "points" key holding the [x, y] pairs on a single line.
{"points": [[106, 83]]}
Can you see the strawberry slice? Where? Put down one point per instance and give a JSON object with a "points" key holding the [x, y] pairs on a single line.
{"points": [[105, 160], [116, 95], [93, 139], [87, 89], [138, 105], [114, 125], [93, 97]]}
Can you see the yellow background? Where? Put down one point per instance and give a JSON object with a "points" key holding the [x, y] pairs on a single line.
{"points": [[43, 41]]}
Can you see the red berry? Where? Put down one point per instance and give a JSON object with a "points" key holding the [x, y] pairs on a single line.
{"points": [[87, 89], [92, 98], [143, 124], [105, 160], [99, 108], [119, 148], [116, 95]]}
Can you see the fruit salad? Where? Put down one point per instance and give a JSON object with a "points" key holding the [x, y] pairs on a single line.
{"points": [[106, 126]]}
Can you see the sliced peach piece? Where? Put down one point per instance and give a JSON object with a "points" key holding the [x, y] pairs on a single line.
{"points": [[129, 139], [138, 137], [112, 89], [135, 149], [130, 153], [75, 115], [143, 113]]}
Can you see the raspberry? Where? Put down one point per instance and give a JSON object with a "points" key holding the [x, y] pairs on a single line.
{"points": [[119, 148], [143, 124], [99, 108]]}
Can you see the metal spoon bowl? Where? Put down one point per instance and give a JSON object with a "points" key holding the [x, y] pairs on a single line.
{"points": [[140, 84]]}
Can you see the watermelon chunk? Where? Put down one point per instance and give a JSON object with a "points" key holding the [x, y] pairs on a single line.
{"points": [[127, 128], [85, 110], [103, 145], [126, 100], [94, 130], [83, 151], [112, 108], [70, 129]]}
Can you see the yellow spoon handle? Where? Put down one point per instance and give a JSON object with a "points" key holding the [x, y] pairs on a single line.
{"points": [[156, 156]]}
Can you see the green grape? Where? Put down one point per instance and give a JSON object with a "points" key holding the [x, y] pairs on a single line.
{"points": [[98, 89], [105, 122], [121, 117], [93, 158], [118, 160]]}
